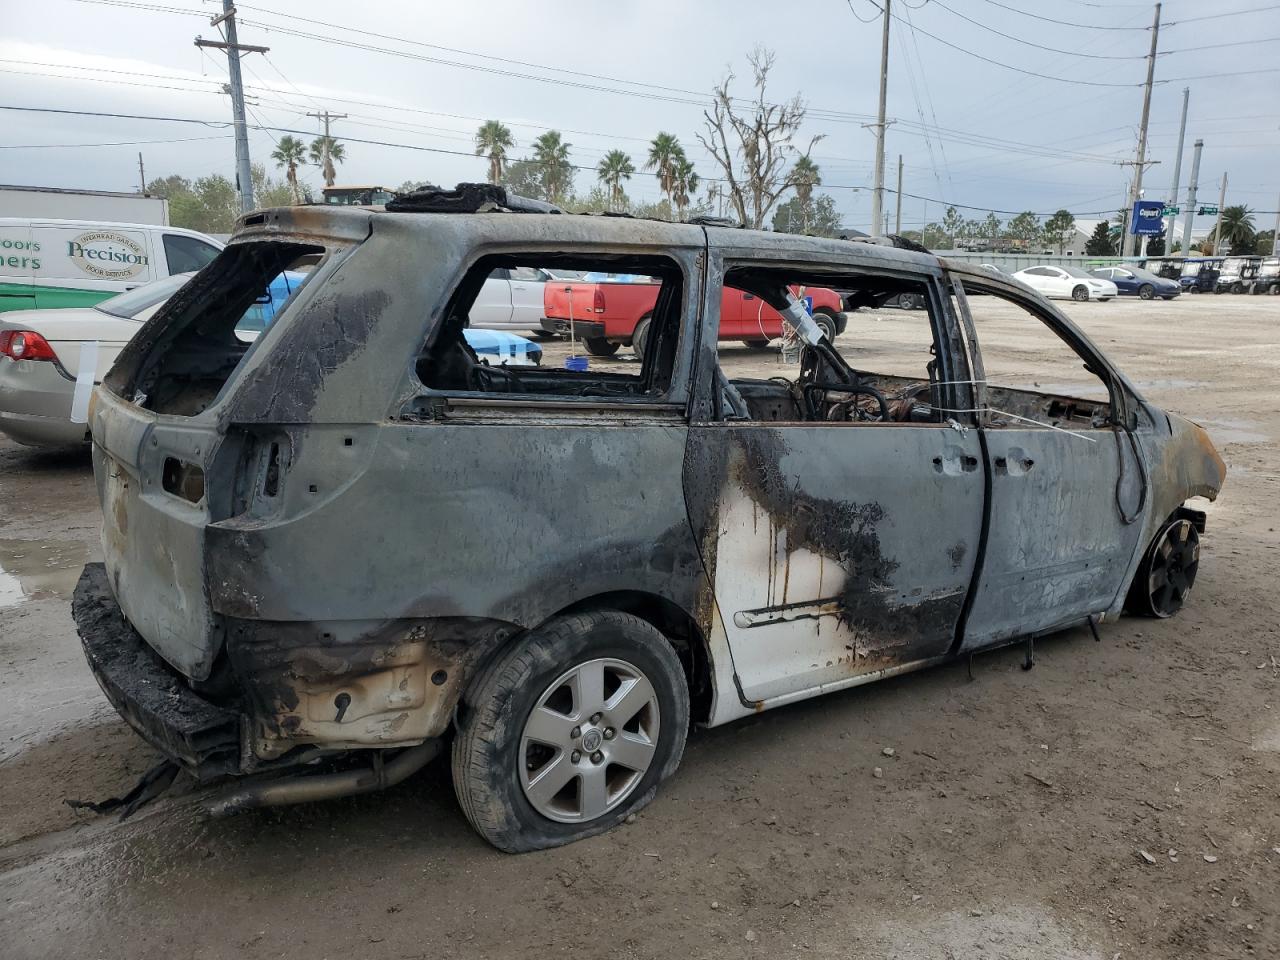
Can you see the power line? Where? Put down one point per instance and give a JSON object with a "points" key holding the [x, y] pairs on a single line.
{"points": [[1029, 43], [1217, 76], [942, 133], [1062, 23], [1221, 14], [1009, 66], [113, 143], [471, 155], [1219, 46]]}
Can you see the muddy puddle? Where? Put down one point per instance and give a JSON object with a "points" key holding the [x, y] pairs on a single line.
{"points": [[39, 569]]}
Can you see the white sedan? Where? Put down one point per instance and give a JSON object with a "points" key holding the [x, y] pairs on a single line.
{"points": [[1066, 283]]}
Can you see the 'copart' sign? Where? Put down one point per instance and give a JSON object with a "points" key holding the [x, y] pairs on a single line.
{"points": [[107, 255]]}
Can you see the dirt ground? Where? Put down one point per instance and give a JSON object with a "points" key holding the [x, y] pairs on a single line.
{"points": [[1010, 822]]}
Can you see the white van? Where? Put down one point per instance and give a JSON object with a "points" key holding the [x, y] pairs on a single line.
{"points": [[77, 263]]}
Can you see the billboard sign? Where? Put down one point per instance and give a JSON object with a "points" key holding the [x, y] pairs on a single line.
{"points": [[1146, 219]]}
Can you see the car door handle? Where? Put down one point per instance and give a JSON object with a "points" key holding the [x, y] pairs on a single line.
{"points": [[747, 296], [1014, 466], [953, 463]]}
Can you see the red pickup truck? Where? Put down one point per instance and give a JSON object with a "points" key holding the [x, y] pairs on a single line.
{"points": [[611, 310]]}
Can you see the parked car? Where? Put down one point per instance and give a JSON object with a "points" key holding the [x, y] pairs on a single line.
{"points": [[781, 538], [1066, 282], [1200, 275], [1237, 274], [77, 263], [1268, 279], [41, 352], [511, 299], [613, 309], [1135, 281]]}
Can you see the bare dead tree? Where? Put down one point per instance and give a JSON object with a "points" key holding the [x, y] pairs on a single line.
{"points": [[752, 144]]}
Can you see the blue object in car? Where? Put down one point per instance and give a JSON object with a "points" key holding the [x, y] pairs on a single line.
{"points": [[497, 347]]}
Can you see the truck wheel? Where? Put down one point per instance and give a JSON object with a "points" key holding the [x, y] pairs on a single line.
{"points": [[599, 346], [1146, 291], [640, 336], [757, 344], [569, 731], [1168, 570], [1237, 288], [1080, 293], [826, 321]]}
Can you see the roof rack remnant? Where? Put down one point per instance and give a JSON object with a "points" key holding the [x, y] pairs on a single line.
{"points": [[468, 198]]}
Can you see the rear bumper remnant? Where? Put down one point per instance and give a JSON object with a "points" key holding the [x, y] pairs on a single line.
{"points": [[146, 691]]}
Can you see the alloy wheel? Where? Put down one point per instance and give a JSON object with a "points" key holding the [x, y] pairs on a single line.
{"points": [[589, 740], [1175, 558]]}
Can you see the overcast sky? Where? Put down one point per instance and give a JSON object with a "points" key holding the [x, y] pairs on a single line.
{"points": [[970, 131]]}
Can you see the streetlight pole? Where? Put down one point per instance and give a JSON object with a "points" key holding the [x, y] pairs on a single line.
{"points": [[1189, 219], [1177, 170]]}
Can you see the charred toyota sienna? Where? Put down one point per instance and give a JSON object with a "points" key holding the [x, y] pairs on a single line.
{"points": [[333, 550]]}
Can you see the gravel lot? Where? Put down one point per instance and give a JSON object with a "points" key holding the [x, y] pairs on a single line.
{"points": [[1010, 822]]}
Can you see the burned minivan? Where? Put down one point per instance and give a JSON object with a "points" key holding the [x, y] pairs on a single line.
{"points": [[338, 549]]}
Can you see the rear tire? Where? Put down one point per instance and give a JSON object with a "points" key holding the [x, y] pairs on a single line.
{"points": [[558, 705], [1080, 293], [757, 344], [1146, 291], [640, 336], [599, 346]]}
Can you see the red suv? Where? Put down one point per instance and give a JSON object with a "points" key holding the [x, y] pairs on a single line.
{"points": [[609, 310]]}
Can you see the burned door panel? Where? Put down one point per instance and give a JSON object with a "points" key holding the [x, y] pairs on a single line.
{"points": [[835, 552], [1057, 545]]}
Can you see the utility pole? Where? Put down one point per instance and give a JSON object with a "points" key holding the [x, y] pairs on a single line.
{"points": [[1275, 233], [1217, 227], [244, 181], [897, 220], [1135, 191], [142, 175], [1177, 171], [1190, 217], [325, 118], [877, 193]]}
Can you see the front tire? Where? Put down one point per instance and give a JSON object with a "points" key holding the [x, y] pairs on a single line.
{"points": [[569, 731], [1146, 291], [1080, 293], [757, 344], [1167, 571]]}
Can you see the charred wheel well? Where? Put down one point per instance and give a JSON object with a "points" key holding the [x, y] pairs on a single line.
{"points": [[677, 626]]}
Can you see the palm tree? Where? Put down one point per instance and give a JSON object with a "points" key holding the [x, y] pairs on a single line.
{"points": [[325, 152], [684, 183], [804, 177], [1237, 228], [614, 168], [664, 152], [289, 152], [552, 154], [493, 140]]}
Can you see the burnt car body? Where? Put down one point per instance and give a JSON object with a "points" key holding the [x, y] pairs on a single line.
{"points": [[347, 536]]}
